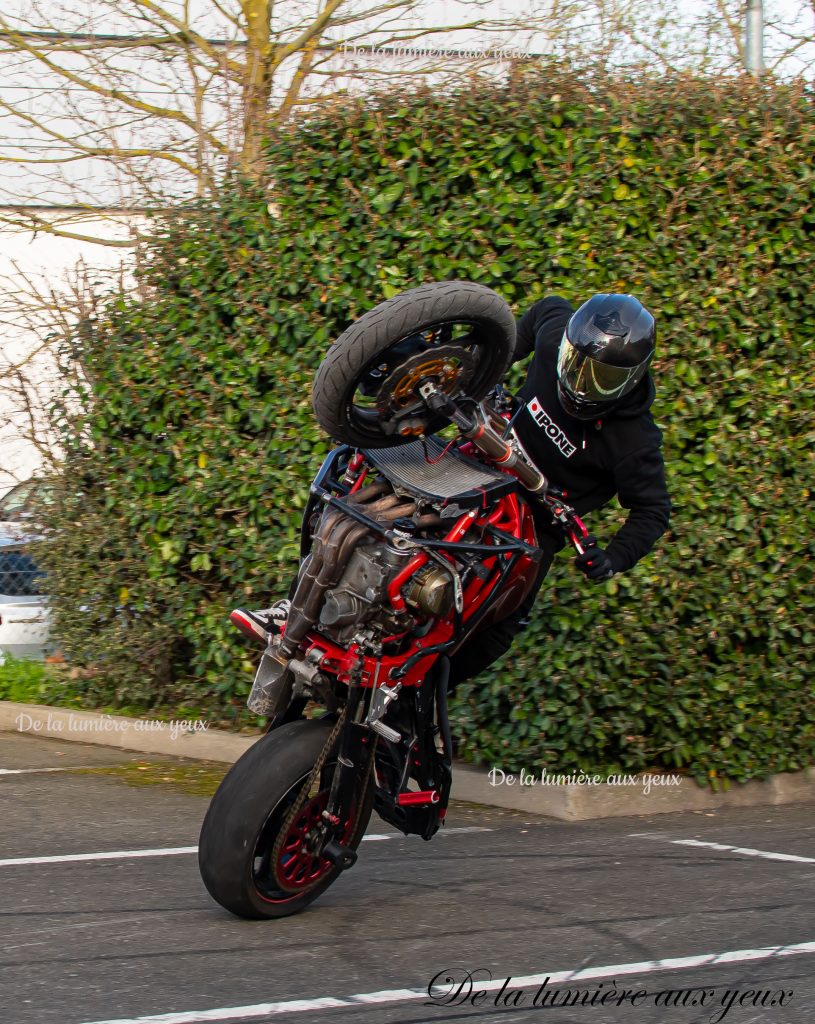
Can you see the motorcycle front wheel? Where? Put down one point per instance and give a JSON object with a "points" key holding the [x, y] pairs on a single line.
{"points": [[236, 850], [456, 335]]}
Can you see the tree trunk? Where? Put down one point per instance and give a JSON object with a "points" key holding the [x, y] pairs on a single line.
{"points": [[257, 85]]}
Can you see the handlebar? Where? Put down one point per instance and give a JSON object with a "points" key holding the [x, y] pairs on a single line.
{"points": [[487, 429]]}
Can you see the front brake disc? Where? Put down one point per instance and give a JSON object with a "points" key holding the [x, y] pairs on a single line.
{"points": [[449, 367]]}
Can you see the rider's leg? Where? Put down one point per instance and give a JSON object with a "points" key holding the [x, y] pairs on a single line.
{"points": [[486, 647]]}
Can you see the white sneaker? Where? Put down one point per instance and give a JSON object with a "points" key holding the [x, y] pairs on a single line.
{"points": [[262, 624]]}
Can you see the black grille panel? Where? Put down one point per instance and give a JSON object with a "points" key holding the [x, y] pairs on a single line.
{"points": [[453, 476], [19, 575]]}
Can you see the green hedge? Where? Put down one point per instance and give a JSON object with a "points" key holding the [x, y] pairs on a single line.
{"points": [[694, 194]]}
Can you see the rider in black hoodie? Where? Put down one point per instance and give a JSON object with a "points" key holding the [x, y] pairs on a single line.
{"points": [[591, 434]]}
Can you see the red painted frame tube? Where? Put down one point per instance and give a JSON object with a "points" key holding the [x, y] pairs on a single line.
{"points": [[510, 515]]}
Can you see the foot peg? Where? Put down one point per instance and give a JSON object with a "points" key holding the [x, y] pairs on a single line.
{"points": [[386, 732], [380, 699]]}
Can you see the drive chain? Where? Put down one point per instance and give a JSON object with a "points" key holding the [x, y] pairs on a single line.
{"points": [[297, 806]]}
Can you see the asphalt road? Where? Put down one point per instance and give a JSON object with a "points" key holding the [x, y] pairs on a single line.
{"points": [[625, 901]]}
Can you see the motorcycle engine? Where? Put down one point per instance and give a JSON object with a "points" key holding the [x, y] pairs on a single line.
{"points": [[361, 594]]}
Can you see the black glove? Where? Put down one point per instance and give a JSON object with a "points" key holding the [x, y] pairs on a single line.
{"points": [[594, 562]]}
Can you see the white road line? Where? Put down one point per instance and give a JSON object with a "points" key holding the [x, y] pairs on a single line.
{"points": [[34, 771], [173, 851], [457, 831], [404, 995], [745, 850]]}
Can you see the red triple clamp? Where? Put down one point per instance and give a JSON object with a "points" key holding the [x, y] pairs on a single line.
{"points": [[422, 796]]}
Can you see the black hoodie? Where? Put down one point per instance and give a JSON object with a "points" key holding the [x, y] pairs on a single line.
{"points": [[592, 460]]}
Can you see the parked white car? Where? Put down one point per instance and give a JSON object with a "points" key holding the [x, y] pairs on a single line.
{"points": [[24, 618]]}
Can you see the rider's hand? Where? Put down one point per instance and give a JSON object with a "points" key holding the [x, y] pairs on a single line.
{"points": [[594, 562]]}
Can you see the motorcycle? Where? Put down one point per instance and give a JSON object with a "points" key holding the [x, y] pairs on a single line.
{"points": [[418, 533]]}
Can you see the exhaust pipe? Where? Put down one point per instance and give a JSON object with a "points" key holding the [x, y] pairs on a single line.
{"points": [[336, 538]]}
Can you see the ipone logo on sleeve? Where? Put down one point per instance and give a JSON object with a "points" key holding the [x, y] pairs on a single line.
{"points": [[550, 428]]}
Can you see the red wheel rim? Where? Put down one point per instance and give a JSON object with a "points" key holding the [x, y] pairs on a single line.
{"points": [[297, 867]]}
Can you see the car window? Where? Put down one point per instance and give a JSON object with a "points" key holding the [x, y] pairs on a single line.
{"points": [[19, 502], [19, 574]]}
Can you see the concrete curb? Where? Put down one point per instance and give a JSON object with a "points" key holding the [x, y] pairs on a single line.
{"points": [[544, 794], [143, 735], [627, 795]]}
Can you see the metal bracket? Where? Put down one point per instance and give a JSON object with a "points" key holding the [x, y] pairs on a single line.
{"points": [[381, 697]]}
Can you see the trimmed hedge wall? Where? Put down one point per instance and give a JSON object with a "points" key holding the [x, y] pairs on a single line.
{"points": [[694, 194]]}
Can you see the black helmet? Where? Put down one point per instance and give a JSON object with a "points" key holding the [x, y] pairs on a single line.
{"points": [[605, 351]]}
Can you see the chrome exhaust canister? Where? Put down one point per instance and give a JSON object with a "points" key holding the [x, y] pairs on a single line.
{"points": [[272, 688]]}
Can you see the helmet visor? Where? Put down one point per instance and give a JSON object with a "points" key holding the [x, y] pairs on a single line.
{"points": [[589, 380]]}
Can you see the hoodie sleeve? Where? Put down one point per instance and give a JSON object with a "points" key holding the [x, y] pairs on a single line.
{"points": [[640, 482], [548, 317]]}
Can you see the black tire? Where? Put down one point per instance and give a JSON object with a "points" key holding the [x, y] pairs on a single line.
{"points": [[366, 341], [244, 820]]}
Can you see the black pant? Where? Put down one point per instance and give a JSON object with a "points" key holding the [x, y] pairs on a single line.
{"points": [[487, 646]]}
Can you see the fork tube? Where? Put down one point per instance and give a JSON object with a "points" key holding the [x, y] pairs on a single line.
{"points": [[349, 760]]}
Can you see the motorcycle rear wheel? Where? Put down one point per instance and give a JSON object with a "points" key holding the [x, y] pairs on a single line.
{"points": [[244, 820]]}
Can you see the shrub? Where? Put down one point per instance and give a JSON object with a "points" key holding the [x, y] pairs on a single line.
{"points": [[187, 471]]}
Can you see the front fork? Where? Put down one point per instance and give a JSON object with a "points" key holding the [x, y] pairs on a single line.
{"points": [[413, 811], [350, 779]]}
